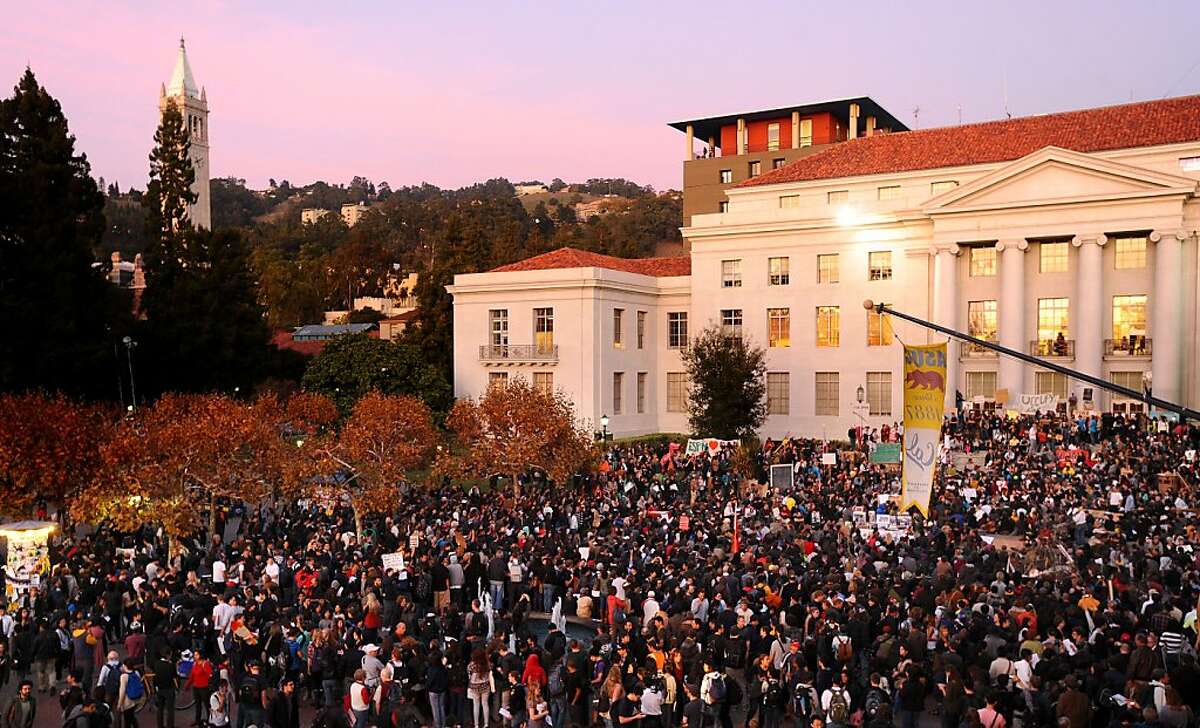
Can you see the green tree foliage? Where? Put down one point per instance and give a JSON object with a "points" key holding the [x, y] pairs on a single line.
{"points": [[60, 315], [125, 224], [351, 366], [233, 205], [170, 190], [728, 385]]}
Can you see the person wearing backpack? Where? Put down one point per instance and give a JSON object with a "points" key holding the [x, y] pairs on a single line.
{"points": [[110, 678], [876, 699], [131, 694], [556, 693], [835, 703], [250, 697]]}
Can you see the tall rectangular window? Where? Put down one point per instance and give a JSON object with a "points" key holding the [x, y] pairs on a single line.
{"points": [[889, 192], [1053, 320], [827, 395], [879, 394], [983, 261], [724, 206], [981, 319], [543, 330], [544, 382], [879, 264], [937, 188], [1052, 257], [677, 329], [641, 329], [777, 163], [1128, 380], [806, 133], [677, 391], [1129, 321], [837, 197], [777, 272], [731, 322], [498, 318], [778, 394], [1130, 253], [641, 393], [618, 385], [779, 328], [731, 274], [828, 326], [788, 202], [1050, 383], [754, 168], [879, 329], [497, 379], [726, 176], [773, 137], [981, 384], [618, 325], [827, 268]]}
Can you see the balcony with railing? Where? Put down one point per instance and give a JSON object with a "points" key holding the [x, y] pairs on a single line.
{"points": [[494, 354], [1061, 348], [1132, 346], [968, 350]]}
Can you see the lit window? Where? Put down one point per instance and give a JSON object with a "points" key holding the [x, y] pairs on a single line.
{"points": [[879, 393], [788, 202], [773, 137], [889, 192], [754, 168], [983, 261], [937, 188], [1050, 383], [618, 384], [731, 274], [777, 272], [724, 206], [677, 329], [778, 397], [981, 319], [779, 328], [1129, 323], [677, 386], [544, 382], [777, 163], [618, 333], [543, 330], [827, 268], [731, 322], [641, 329], [828, 326], [1128, 380], [880, 265], [499, 327], [826, 395], [641, 393], [806, 139], [726, 176], [834, 197], [1053, 257], [879, 329], [1053, 321], [497, 379], [981, 384], [1190, 164], [1130, 253]]}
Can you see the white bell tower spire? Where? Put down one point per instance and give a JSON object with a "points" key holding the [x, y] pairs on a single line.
{"points": [[192, 102]]}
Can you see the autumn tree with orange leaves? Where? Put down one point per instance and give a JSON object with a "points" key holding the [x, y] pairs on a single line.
{"points": [[513, 428]]}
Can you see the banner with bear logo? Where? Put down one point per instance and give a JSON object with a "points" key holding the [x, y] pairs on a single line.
{"points": [[924, 403]]}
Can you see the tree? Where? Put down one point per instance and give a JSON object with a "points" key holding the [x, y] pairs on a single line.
{"points": [[351, 366], [513, 428], [728, 385], [169, 191], [61, 316]]}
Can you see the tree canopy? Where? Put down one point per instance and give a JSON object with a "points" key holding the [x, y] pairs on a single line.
{"points": [[728, 385], [351, 366]]}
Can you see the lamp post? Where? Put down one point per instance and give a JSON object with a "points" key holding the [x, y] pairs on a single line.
{"points": [[604, 428], [129, 345]]}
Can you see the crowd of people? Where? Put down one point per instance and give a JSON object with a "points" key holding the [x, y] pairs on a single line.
{"points": [[1053, 582]]}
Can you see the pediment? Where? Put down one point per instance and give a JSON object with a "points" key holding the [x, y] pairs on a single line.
{"points": [[1056, 176]]}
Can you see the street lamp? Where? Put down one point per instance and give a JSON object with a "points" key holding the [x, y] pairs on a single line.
{"points": [[129, 345], [860, 393], [604, 428]]}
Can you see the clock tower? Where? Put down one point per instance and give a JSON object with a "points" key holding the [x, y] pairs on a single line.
{"points": [[193, 105]]}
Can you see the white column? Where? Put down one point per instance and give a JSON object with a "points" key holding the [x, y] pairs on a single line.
{"points": [[1167, 306], [1012, 313], [690, 152], [741, 136], [1087, 311], [945, 309], [795, 130]]}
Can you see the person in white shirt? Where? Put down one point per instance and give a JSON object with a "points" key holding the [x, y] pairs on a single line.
{"points": [[218, 705], [218, 571], [650, 609], [619, 584]]}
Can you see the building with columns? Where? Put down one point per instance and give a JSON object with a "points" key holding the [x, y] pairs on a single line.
{"points": [[1071, 236], [192, 102]]}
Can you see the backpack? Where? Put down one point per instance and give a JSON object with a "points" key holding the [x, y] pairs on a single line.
{"points": [[733, 691], [135, 689], [845, 649], [874, 701], [839, 711], [555, 683], [112, 680], [716, 689], [248, 693]]}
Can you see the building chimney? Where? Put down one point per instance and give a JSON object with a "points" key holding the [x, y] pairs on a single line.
{"points": [[870, 126], [139, 273], [852, 129]]}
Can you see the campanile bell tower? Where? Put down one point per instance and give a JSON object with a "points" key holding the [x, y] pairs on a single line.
{"points": [[193, 105]]}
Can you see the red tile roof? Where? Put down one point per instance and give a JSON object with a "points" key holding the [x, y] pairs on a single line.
{"points": [[573, 258], [282, 339], [1143, 124]]}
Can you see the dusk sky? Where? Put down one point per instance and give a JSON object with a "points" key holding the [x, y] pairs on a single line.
{"points": [[455, 92]]}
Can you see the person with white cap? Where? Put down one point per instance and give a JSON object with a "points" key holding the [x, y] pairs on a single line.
{"points": [[650, 609], [371, 665]]}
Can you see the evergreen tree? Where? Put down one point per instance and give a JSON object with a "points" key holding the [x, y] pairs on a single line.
{"points": [[728, 385], [61, 316], [168, 195]]}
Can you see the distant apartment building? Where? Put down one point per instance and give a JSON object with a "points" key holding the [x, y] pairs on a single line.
{"points": [[352, 212], [530, 189], [585, 211], [310, 215]]}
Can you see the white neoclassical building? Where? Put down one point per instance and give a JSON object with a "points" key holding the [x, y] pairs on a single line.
{"points": [[1072, 236]]}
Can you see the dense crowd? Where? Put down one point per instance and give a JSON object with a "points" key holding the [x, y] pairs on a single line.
{"points": [[1054, 582]]}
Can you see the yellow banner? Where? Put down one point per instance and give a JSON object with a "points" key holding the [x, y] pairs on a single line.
{"points": [[924, 403]]}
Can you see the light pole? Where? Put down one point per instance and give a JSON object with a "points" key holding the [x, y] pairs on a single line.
{"points": [[604, 428], [129, 345]]}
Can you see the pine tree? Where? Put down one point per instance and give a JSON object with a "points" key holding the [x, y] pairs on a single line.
{"points": [[61, 316], [168, 195]]}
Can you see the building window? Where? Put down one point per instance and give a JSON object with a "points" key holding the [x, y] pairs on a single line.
{"points": [[778, 162], [773, 137], [880, 265], [731, 322], [836, 197], [1052, 257], [499, 327], [1128, 380], [1053, 320], [889, 192], [827, 395], [544, 382], [1130, 253], [879, 329], [937, 188], [981, 319], [828, 328], [879, 393], [1129, 321], [778, 397], [497, 379], [1189, 164], [677, 329], [981, 384], [754, 168], [724, 207], [827, 268], [618, 384], [641, 393], [726, 176], [618, 333], [779, 328], [543, 330], [777, 271], [1050, 383], [677, 391], [641, 329], [788, 202], [806, 132], [983, 261], [731, 274]]}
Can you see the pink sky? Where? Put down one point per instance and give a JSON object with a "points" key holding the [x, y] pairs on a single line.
{"points": [[453, 93]]}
